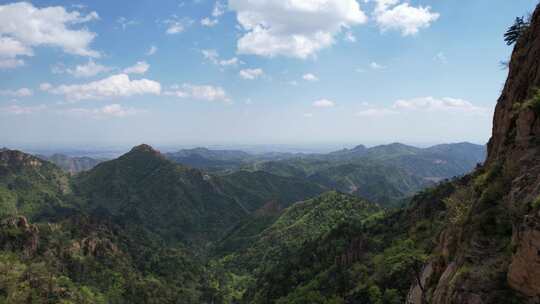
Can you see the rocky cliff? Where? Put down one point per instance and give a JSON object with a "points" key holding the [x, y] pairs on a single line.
{"points": [[489, 251]]}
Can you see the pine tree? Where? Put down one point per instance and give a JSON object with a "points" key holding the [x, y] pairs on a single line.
{"points": [[514, 32]]}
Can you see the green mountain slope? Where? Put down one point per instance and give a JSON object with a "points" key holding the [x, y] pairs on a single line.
{"points": [[175, 202], [30, 186], [296, 226]]}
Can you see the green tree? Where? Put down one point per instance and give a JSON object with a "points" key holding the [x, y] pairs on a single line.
{"points": [[516, 30]]}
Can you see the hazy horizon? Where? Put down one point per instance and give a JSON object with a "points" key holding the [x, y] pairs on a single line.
{"points": [[113, 151]]}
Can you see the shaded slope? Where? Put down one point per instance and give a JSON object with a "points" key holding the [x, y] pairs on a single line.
{"points": [[174, 202]]}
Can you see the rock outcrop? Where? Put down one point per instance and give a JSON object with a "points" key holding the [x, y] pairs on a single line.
{"points": [[492, 254], [16, 233]]}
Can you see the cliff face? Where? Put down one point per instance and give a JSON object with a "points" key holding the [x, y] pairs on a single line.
{"points": [[516, 142], [489, 251]]}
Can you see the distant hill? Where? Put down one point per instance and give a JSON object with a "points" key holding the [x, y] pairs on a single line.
{"points": [[72, 165], [385, 174], [29, 185]]}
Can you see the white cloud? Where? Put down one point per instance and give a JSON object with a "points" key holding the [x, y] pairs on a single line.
{"points": [[175, 28], [375, 66], [112, 110], [234, 61], [308, 115], [294, 28], [176, 25], [324, 103], [391, 15], [439, 104], [217, 11], [213, 57], [89, 69], [310, 77], [376, 112], [446, 105], [140, 67], [209, 22], [23, 92], [153, 50], [125, 23], [22, 110], [11, 48], [11, 63], [24, 26], [251, 74], [199, 92], [114, 86]]}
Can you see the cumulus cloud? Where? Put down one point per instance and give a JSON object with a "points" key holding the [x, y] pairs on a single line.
{"points": [[88, 69], [209, 22], [217, 11], [296, 28], [114, 86], [175, 28], [176, 25], [324, 103], [445, 105], [439, 104], [251, 74], [310, 77], [213, 56], [393, 15], [140, 67], [199, 92], [24, 26], [112, 110], [22, 92]]}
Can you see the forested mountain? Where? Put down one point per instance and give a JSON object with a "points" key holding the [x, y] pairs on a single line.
{"points": [[29, 185], [385, 174]]}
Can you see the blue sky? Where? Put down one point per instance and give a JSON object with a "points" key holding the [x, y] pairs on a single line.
{"points": [[296, 72]]}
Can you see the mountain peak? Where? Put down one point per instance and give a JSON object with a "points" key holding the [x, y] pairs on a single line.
{"points": [[144, 148], [14, 158]]}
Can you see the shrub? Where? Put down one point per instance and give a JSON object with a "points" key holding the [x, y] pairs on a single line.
{"points": [[536, 203], [533, 103]]}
